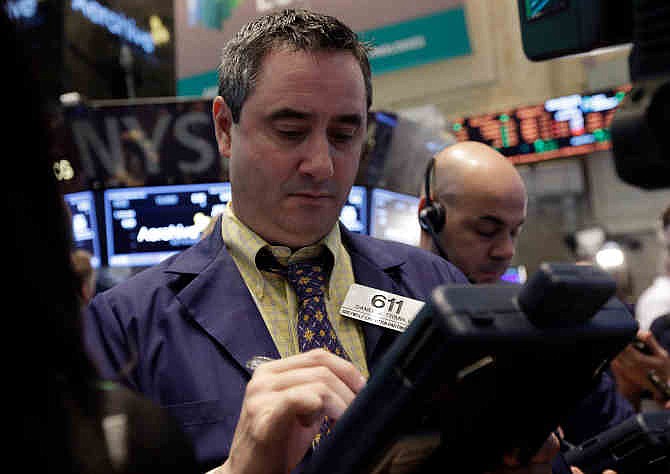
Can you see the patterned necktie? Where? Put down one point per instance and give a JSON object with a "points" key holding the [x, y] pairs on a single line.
{"points": [[308, 280]]}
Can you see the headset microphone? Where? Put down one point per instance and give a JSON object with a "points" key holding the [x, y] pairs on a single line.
{"points": [[432, 217]]}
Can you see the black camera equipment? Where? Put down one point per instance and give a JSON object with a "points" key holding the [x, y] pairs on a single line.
{"points": [[555, 28]]}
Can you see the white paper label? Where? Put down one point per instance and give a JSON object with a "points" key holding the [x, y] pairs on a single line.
{"points": [[380, 307]]}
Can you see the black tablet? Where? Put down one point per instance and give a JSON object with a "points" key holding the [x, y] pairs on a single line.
{"points": [[481, 371], [639, 445]]}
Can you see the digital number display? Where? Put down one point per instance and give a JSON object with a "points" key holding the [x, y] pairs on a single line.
{"points": [[561, 127]]}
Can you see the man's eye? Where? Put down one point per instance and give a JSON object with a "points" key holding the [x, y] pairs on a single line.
{"points": [[291, 134], [487, 230], [343, 135]]}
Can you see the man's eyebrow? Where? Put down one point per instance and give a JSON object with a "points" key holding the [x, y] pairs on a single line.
{"points": [[288, 113], [496, 220], [351, 119]]}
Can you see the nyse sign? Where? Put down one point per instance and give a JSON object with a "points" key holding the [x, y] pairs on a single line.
{"points": [[146, 144]]}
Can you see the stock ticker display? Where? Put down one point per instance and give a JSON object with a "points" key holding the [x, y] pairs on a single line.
{"points": [[560, 127]]}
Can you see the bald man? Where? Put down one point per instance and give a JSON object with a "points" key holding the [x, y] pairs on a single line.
{"points": [[472, 215], [483, 201]]}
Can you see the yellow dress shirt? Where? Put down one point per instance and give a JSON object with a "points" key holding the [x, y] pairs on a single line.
{"points": [[275, 297]]}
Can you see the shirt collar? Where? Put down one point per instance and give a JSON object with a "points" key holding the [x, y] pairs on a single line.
{"points": [[243, 243]]}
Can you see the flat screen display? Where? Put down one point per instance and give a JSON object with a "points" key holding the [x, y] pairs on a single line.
{"points": [[84, 223], [515, 274], [146, 225], [394, 216], [560, 127], [536, 9], [354, 212]]}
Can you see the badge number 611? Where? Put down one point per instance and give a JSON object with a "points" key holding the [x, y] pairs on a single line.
{"points": [[380, 301]]}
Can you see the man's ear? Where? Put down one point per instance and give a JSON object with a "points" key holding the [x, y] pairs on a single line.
{"points": [[223, 123], [422, 204]]}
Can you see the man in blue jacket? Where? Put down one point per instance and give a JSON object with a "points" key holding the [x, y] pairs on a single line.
{"points": [[268, 282], [471, 214]]}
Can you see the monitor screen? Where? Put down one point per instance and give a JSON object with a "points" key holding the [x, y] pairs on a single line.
{"points": [[560, 127], [515, 274], [148, 224], [84, 224], [394, 216], [536, 9], [354, 212]]}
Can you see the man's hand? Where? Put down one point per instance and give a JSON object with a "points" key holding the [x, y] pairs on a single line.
{"points": [[282, 410], [539, 464], [631, 368], [576, 470]]}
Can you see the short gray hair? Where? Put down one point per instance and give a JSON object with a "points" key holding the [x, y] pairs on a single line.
{"points": [[298, 29]]}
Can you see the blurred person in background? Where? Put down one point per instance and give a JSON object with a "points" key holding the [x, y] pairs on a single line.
{"points": [[655, 300], [639, 364], [476, 211], [472, 216], [69, 420], [85, 273]]}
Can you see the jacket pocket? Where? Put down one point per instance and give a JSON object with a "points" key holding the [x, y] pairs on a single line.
{"points": [[199, 413]]}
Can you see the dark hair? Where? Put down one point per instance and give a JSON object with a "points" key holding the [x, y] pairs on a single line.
{"points": [[52, 384], [665, 218], [301, 30]]}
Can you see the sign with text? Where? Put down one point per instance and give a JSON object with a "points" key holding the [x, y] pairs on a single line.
{"points": [[140, 144], [407, 35], [560, 127]]}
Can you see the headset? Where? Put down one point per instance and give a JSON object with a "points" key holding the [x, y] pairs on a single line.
{"points": [[433, 215]]}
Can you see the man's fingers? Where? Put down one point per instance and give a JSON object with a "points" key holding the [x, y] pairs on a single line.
{"points": [[544, 456], [323, 375], [305, 404], [320, 401], [549, 449], [300, 389], [648, 338], [342, 368]]}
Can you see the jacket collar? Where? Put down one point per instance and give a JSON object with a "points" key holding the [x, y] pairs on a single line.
{"points": [[378, 267], [215, 297]]}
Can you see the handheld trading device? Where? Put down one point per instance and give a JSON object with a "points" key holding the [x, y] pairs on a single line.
{"points": [[482, 370], [639, 445]]}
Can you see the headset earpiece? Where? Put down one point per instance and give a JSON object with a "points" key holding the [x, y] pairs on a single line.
{"points": [[432, 216]]}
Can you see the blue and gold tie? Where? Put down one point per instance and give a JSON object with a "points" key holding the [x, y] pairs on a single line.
{"points": [[308, 279]]}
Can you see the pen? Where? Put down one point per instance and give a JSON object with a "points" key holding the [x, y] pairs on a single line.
{"points": [[253, 363]]}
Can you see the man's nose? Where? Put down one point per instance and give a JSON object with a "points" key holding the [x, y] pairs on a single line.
{"points": [[318, 159], [504, 248]]}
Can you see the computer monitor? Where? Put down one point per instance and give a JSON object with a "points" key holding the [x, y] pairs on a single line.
{"points": [[146, 225], [560, 127], [394, 216], [84, 223], [354, 212], [515, 274]]}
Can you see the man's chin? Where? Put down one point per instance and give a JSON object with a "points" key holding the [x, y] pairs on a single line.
{"points": [[304, 232], [488, 277]]}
